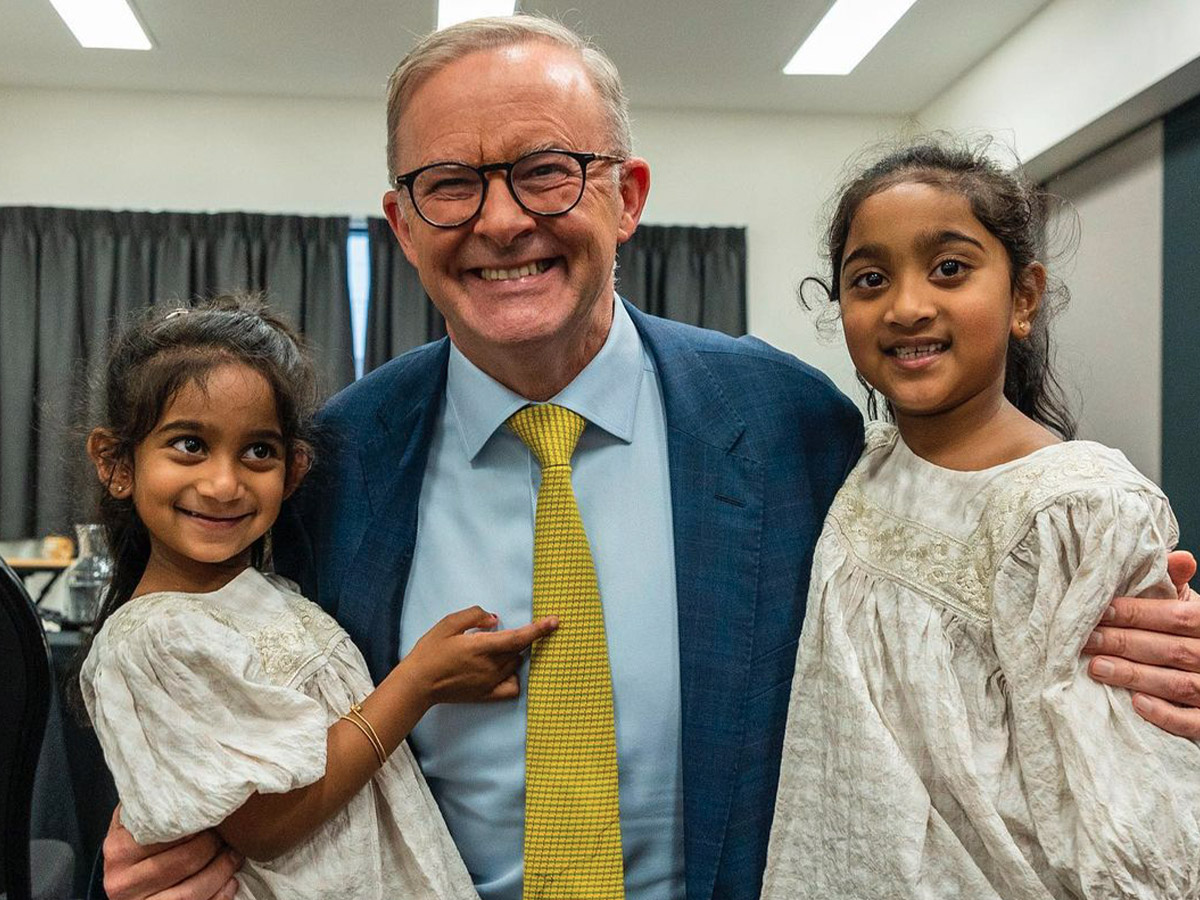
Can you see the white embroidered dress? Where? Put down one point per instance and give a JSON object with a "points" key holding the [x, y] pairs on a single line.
{"points": [[200, 700], [944, 740]]}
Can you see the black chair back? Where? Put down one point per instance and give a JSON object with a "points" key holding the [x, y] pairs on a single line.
{"points": [[25, 684]]}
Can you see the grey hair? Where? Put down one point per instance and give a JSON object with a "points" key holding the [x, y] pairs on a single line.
{"points": [[441, 48]]}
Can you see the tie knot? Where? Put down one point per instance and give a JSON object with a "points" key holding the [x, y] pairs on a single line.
{"points": [[550, 432]]}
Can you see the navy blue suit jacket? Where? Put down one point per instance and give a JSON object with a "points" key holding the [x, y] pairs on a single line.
{"points": [[758, 444]]}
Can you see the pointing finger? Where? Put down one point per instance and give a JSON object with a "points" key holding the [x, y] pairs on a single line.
{"points": [[466, 619], [515, 640]]}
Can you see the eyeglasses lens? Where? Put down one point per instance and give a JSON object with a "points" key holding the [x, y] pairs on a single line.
{"points": [[447, 195], [547, 183]]}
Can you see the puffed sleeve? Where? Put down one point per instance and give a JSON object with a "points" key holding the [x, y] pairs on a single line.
{"points": [[1114, 800], [191, 726]]}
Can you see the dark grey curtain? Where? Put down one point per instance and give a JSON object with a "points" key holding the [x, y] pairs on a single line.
{"points": [[400, 315], [686, 273], [69, 278], [690, 274]]}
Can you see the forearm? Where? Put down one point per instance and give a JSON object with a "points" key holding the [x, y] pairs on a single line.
{"points": [[267, 825], [446, 665]]}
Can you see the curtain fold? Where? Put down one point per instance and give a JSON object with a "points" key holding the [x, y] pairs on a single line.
{"points": [[691, 274], [400, 315], [687, 273], [70, 278]]}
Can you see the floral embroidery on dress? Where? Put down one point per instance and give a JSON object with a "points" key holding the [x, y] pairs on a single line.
{"points": [[133, 616], [954, 573], [295, 640], [288, 646]]}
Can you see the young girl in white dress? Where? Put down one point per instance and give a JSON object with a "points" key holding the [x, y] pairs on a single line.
{"points": [[943, 738], [221, 697]]}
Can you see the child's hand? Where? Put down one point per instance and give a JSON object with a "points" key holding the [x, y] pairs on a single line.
{"points": [[455, 667]]}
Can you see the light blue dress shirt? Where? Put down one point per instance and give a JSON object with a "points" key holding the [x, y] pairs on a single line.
{"points": [[475, 545]]}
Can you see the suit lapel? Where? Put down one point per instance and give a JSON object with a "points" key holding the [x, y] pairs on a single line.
{"points": [[392, 463], [717, 506]]}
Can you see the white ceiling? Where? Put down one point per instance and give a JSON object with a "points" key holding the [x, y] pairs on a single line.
{"points": [[671, 53]]}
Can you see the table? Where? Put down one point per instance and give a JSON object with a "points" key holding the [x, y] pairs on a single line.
{"points": [[73, 792], [28, 565], [32, 565]]}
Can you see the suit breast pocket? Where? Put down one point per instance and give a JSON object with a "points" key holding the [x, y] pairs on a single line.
{"points": [[772, 671]]}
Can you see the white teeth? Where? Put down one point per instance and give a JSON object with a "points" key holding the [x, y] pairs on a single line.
{"points": [[917, 352], [532, 268]]}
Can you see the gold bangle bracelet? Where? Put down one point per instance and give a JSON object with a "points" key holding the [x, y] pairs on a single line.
{"points": [[359, 726], [357, 711], [355, 717]]}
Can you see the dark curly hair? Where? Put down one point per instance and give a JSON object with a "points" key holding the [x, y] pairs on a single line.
{"points": [[162, 351], [1008, 205]]}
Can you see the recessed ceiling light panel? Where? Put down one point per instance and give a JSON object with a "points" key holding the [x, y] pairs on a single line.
{"points": [[103, 24], [849, 31], [451, 12]]}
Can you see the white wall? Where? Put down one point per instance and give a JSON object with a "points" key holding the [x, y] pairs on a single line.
{"points": [[1077, 76], [190, 152], [775, 175], [117, 150], [1110, 337]]}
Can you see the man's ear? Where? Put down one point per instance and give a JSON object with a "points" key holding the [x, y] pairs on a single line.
{"points": [[394, 211], [1027, 299], [298, 468], [635, 188], [114, 473]]}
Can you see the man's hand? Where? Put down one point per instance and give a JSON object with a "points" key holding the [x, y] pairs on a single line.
{"points": [[1152, 647], [200, 867]]}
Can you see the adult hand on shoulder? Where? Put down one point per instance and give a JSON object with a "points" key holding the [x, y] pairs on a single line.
{"points": [[1152, 647], [199, 867]]}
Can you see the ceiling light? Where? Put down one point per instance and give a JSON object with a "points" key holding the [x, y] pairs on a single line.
{"points": [[105, 24], [849, 31], [451, 12]]}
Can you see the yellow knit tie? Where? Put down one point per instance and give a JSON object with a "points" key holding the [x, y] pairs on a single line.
{"points": [[572, 818]]}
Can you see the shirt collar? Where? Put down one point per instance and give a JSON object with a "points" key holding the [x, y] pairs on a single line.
{"points": [[605, 392]]}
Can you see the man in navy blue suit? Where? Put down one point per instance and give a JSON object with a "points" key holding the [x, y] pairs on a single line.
{"points": [[703, 475]]}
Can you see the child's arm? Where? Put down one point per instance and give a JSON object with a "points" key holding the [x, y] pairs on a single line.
{"points": [[1108, 827], [447, 665]]}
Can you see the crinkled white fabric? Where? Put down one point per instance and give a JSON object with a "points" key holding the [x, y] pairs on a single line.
{"points": [[944, 739], [200, 700]]}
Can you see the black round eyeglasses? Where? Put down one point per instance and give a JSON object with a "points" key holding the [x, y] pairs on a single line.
{"points": [[544, 183]]}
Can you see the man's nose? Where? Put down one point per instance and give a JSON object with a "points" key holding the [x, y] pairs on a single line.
{"points": [[502, 219], [910, 305]]}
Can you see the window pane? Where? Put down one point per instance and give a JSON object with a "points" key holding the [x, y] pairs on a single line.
{"points": [[359, 275]]}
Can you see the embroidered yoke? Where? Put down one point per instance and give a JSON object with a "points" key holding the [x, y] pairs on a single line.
{"points": [[943, 737]]}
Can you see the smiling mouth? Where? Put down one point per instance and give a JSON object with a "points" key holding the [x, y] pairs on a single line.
{"points": [[537, 267], [919, 351], [216, 520]]}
